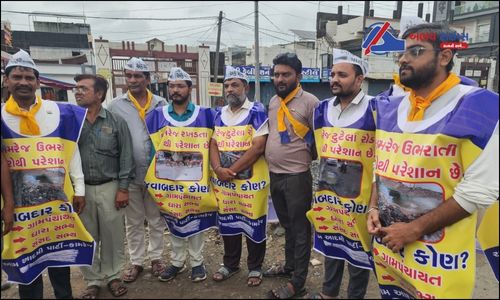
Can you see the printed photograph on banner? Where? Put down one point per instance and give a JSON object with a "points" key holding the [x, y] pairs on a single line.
{"points": [[34, 187], [343, 177], [179, 165], [404, 202], [227, 159]]}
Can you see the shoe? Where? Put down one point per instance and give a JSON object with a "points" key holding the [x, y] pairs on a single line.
{"points": [[170, 273], [198, 273]]}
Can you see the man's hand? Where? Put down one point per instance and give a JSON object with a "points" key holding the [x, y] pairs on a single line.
{"points": [[8, 218], [225, 174], [373, 223], [78, 203], [400, 234], [121, 199]]}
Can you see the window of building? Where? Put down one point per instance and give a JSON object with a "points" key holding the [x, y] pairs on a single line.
{"points": [[483, 33], [54, 94], [48, 93]]}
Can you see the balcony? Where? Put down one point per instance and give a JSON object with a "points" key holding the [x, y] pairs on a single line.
{"points": [[475, 8]]}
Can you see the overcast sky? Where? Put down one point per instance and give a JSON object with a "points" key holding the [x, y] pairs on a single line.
{"points": [[275, 19]]}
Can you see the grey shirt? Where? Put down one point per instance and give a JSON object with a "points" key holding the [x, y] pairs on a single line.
{"points": [[106, 149], [294, 157], [141, 143]]}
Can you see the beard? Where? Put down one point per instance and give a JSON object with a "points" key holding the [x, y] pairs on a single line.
{"points": [[235, 100], [179, 99], [420, 78], [342, 91], [285, 92]]}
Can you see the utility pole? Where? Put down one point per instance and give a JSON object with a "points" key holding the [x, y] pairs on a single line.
{"points": [[316, 43], [217, 48], [257, 64]]}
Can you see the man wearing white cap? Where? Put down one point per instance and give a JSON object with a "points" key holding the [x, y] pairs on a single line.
{"points": [[344, 122], [178, 177], [240, 165], [427, 200], [27, 119], [133, 107]]}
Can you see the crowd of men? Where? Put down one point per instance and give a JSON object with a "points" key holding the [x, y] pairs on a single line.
{"points": [[116, 147]]}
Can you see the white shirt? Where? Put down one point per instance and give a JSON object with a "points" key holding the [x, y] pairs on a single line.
{"points": [[231, 118], [48, 118], [351, 113], [479, 186]]}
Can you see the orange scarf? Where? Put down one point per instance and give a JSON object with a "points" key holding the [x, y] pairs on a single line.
{"points": [[140, 109], [28, 124], [419, 104]]}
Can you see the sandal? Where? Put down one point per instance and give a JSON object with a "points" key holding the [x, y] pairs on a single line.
{"points": [[90, 292], [278, 271], [157, 267], [257, 276], [284, 292], [117, 288], [131, 274], [224, 273]]}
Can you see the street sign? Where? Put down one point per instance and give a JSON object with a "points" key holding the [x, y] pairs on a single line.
{"points": [[215, 89]]}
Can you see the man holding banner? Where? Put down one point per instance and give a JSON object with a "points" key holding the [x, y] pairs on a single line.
{"points": [[344, 130], [241, 177], [436, 164], [178, 177], [42, 152], [289, 154]]}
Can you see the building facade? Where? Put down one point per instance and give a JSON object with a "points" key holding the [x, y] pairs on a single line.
{"points": [[111, 58], [478, 20], [60, 50]]}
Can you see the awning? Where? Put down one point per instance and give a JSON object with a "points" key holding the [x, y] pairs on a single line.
{"points": [[56, 83], [44, 79]]}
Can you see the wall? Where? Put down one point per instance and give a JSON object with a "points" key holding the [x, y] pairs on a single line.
{"points": [[267, 54], [381, 66], [346, 31], [471, 27], [61, 27], [103, 66], [38, 52], [204, 75], [144, 47]]}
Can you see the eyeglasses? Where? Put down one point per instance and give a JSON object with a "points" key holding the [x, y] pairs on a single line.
{"points": [[80, 89], [412, 52]]}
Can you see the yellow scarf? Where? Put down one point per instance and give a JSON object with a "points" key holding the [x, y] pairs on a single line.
{"points": [[140, 109], [29, 125], [419, 104], [397, 82], [300, 129]]}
